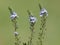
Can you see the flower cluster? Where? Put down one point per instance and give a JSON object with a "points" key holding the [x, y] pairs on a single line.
{"points": [[43, 12], [32, 19], [13, 16]]}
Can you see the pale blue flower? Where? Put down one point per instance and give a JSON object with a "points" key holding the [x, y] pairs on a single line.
{"points": [[16, 33], [43, 11], [13, 16], [32, 19]]}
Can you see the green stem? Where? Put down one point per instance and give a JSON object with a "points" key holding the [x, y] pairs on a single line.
{"points": [[16, 36], [42, 29], [32, 28]]}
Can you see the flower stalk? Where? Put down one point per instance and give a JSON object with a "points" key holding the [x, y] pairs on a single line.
{"points": [[13, 18], [43, 15], [32, 21]]}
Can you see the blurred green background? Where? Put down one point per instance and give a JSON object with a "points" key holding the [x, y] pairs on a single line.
{"points": [[21, 7]]}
